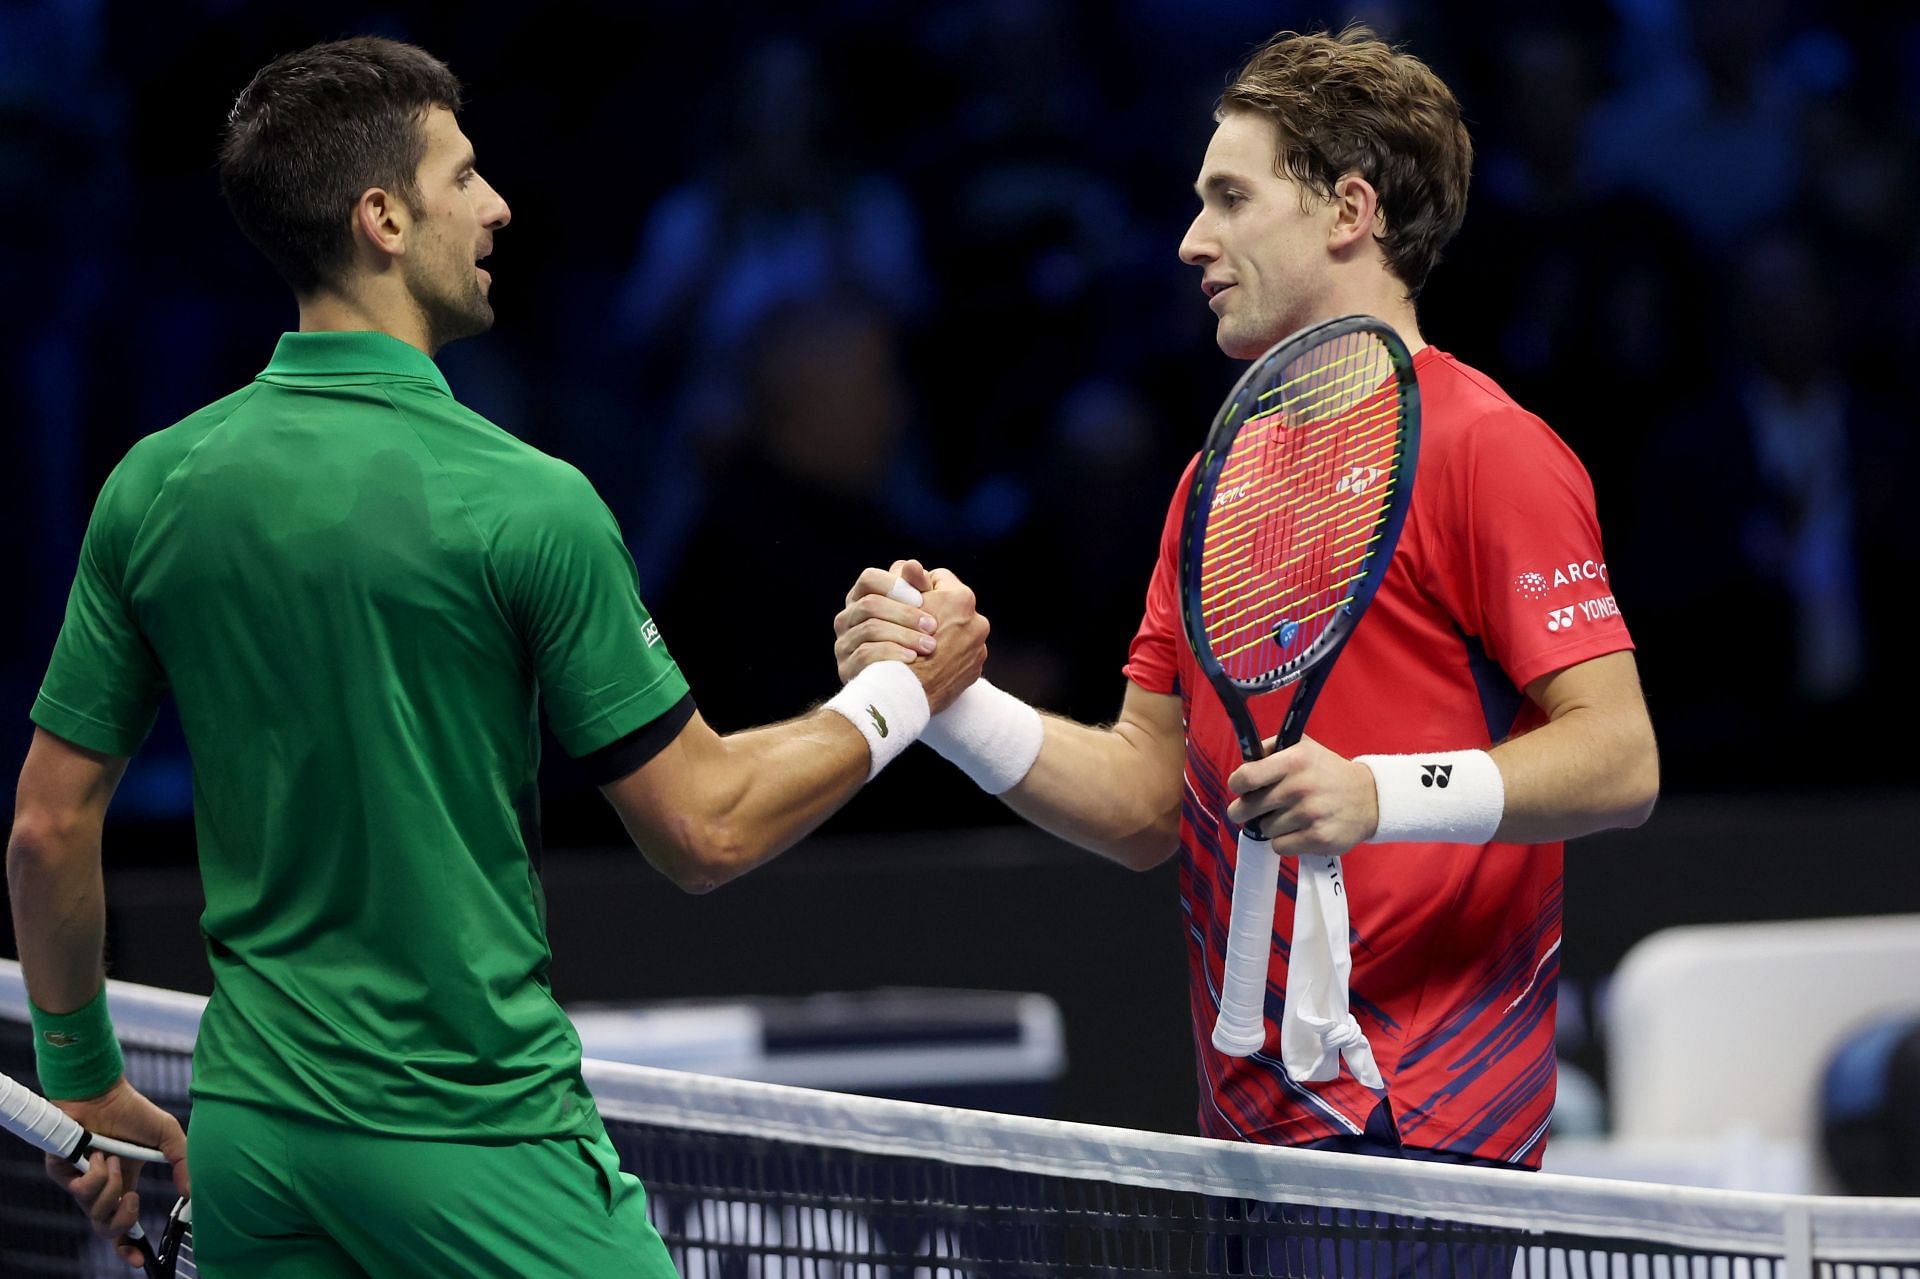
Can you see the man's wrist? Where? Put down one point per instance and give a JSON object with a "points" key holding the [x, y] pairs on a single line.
{"points": [[990, 735], [1441, 797], [888, 706], [76, 1053]]}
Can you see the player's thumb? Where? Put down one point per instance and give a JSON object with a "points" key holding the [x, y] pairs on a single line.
{"points": [[173, 1144], [914, 574]]}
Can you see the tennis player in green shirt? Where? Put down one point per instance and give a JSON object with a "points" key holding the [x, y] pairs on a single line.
{"points": [[359, 594]]}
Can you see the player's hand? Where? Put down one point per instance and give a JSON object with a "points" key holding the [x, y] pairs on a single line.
{"points": [[874, 628], [963, 641], [105, 1191], [1310, 800]]}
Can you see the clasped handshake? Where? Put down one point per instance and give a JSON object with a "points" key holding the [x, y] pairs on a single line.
{"points": [[943, 636]]}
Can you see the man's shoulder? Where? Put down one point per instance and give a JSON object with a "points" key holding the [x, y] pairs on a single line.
{"points": [[153, 457], [489, 454], [1465, 413], [1456, 398]]}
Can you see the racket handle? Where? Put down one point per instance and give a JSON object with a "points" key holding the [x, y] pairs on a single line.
{"points": [[1241, 1028], [32, 1118]]}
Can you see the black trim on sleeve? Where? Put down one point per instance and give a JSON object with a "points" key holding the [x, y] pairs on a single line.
{"points": [[618, 759]]}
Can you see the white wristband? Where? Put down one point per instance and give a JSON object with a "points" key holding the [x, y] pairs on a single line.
{"points": [[1441, 797], [889, 707], [991, 735]]}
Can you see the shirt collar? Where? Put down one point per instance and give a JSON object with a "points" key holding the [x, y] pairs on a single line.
{"points": [[334, 356]]}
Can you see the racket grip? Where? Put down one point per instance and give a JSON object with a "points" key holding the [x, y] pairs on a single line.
{"points": [[31, 1117], [1241, 1028]]}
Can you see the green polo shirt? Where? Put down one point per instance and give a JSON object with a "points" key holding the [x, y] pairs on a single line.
{"points": [[359, 592]]}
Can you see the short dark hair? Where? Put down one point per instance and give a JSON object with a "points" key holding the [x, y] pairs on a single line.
{"points": [[1350, 103], [312, 131]]}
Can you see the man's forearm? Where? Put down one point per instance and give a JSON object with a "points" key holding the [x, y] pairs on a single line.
{"points": [[59, 912], [1588, 770], [1592, 766], [1109, 790]]}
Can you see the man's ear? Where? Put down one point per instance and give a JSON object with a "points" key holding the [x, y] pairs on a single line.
{"points": [[382, 220], [1357, 216]]}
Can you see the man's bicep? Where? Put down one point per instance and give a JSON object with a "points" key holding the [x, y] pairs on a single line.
{"points": [[63, 783], [657, 799], [1610, 683], [1154, 724]]}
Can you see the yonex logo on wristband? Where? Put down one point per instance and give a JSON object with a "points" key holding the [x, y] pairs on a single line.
{"points": [[61, 1039], [1436, 775], [879, 720]]}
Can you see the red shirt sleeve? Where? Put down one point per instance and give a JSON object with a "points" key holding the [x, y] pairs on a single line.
{"points": [[1153, 662], [1515, 545]]}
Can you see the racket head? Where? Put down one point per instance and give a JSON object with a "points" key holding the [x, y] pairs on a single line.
{"points": [[1295, 509]]}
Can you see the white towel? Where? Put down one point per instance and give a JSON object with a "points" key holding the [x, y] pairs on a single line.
{"points": [[1316, 1030]]}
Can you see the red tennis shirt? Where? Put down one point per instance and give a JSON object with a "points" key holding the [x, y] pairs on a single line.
{"points": [[1499, 579]]}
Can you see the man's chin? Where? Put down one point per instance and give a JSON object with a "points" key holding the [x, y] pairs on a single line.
{"points": [[1238, 346]]}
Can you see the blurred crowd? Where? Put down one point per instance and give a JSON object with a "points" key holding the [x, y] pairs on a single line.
{"points": [[825, 285]]}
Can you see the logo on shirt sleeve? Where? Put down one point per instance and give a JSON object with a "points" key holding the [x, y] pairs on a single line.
{"points": [[1536, 585], [1532, 585], [1560, 619], [650, 632]]}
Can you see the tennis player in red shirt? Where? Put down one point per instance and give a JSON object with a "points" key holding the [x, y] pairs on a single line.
{"points": [[1493, 655]]}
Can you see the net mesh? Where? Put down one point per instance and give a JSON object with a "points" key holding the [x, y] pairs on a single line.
{"points": [[755, 1181], [1301, 503]]}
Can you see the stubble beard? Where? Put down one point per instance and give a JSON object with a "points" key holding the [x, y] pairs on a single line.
{"points": [[454, 311]]}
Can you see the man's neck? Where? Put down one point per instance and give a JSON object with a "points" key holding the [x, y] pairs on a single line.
{"points": [[333, 312]]}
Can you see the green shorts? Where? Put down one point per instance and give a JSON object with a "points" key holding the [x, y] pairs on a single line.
{"points": [[281, 1198]]}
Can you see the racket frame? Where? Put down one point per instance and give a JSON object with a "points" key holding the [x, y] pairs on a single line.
{"points": [[1310, 668]]}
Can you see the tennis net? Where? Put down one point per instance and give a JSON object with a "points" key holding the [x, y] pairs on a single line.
{"points": [[758, 1181]]}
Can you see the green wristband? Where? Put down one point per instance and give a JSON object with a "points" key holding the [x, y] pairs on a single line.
{"points": [[76, 1053]]}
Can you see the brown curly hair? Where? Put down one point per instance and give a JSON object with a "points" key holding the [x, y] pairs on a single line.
{"points": [[1351, 103]]}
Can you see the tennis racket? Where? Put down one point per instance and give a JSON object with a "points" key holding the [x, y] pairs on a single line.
{"points": [[1292, 518], [32, 1118]]}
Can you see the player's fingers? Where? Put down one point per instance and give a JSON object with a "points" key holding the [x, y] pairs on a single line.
{"points": [[1309, 841], [881, 651], [906, 616], [944, 580], [68, 1177], [1258, 774], [872, 581], [876, 629], [107, 1194], [126, 1211], [865, 655], [914, 574]]}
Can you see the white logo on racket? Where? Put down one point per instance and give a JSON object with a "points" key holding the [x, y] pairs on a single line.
{"points": [[1357, 480], [1227, 497], [1560, 619]]}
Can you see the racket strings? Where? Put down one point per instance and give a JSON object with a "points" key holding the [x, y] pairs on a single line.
{"points": [[1235, 534], [1377, 424], [1310, 480], [1350, 550]]}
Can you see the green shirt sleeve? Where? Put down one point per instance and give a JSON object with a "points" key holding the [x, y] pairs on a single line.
{"points": [[104, 684], [603, 669]]}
